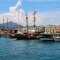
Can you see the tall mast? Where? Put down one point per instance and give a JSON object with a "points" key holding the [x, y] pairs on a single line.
{"points": [[27, 22], [34, 19], [3, 22], [19, 13], [7, 23], [10, 24], [18, 19], [18, 16]]}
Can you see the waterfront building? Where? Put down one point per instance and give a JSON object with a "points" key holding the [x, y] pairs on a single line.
{"points": [[49, 29], [52, 29], [57, 29]]}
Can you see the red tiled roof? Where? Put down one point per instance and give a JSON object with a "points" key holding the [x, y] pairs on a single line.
{"points": [[57, 27]]}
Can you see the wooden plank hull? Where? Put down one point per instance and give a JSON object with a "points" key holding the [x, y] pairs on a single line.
{"points": [[19, 36]]}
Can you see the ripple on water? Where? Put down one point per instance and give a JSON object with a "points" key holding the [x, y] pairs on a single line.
{"points": [[11, 49]]}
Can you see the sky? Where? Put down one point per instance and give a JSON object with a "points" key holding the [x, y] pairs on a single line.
{"points": [[48, 11]]}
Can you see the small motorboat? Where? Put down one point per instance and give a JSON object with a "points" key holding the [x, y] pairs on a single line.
{"points": [[46, 37], [57, 38]]}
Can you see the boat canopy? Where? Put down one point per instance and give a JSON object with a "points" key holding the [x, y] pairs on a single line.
{"points": [[19, 32], [31, 31]]}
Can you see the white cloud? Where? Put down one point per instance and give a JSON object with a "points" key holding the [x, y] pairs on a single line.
{"points": [[13, 8], [51, 17], [44, 18], [41, 17], [12, 15]]}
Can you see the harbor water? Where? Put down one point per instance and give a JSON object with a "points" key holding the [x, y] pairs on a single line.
{"points": [[12, 49]]}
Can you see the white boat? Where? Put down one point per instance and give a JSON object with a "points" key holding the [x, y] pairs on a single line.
{"points": [[57, 38], [47, 37]]}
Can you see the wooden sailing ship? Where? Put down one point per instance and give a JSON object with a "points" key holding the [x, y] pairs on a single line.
{"points": [[26, 35]]}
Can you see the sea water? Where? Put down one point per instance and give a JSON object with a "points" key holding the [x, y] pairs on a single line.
{"points": [[12, 49]]}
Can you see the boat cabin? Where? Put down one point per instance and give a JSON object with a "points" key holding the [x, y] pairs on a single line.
{"points": [[46, 36]]}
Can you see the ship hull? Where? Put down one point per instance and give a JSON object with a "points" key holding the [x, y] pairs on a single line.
{"points": [[19, 36], [57, 39], [26, 37]]}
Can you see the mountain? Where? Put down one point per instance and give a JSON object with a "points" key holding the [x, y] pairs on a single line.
{"points": [[10, 25]]}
